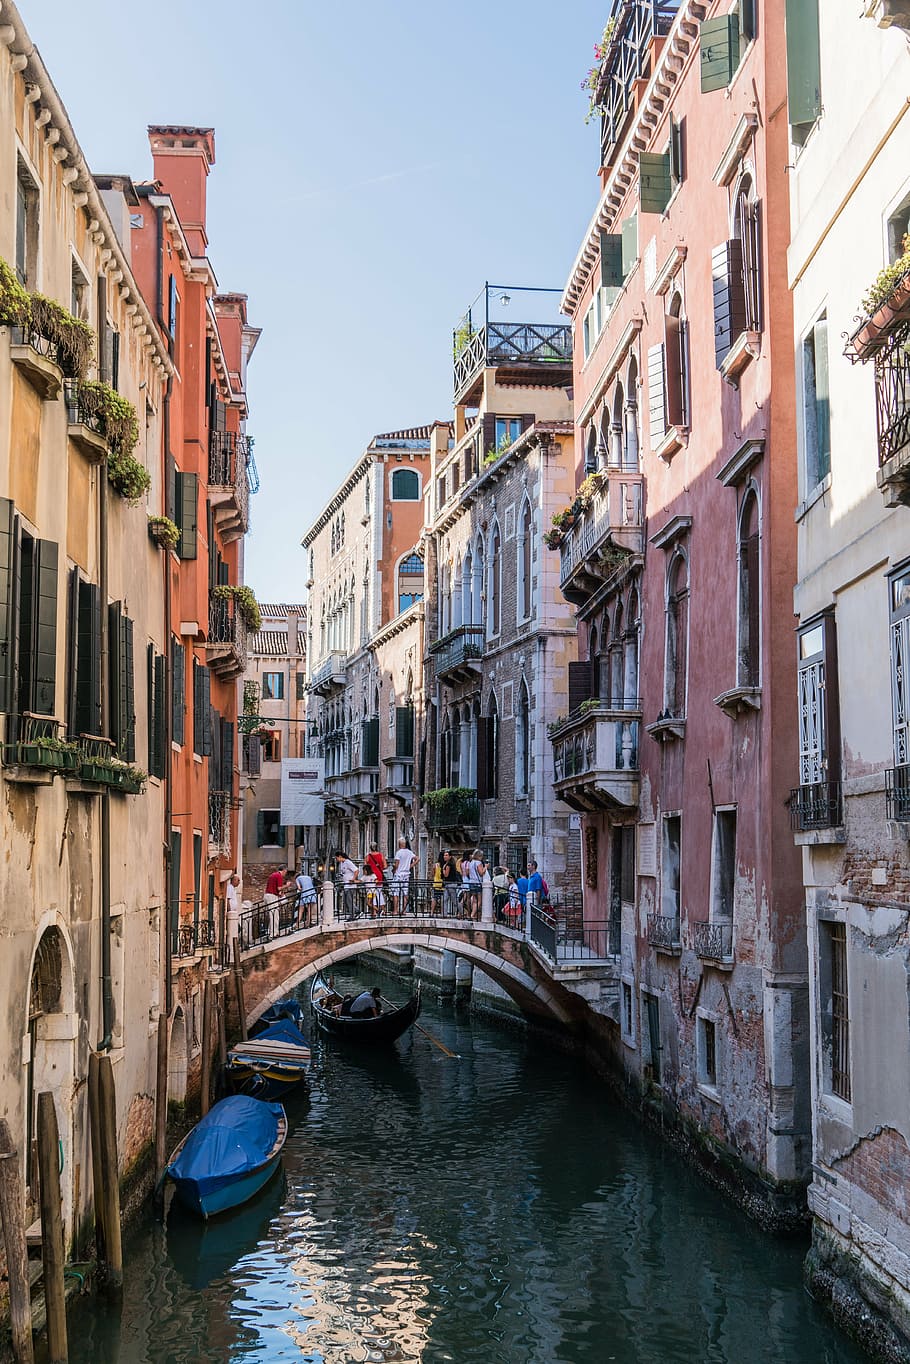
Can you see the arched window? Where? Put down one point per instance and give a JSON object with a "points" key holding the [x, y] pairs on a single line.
{"points": [[410, 580], [630, 444], [747, 231], [454, 588], [616, 429], [616, 660], [677, 642], [594, 660], [748, 655], [522, 742], [525, 553], [455, 751], [488, 752], [591, 449], [445, 751], [405, 485], [467, 587], [478, 586], [630, 651], [601, 678], [495, 591]]}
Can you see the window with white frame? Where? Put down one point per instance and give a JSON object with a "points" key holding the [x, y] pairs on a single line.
{"points": [[525, 557], [670, 867], [723, 866], [627, 1010], [522, 742], [834, 1009], [27, 200], [405, 485], [677, 637], [494, 615], [816, 408], [706, 1047]]}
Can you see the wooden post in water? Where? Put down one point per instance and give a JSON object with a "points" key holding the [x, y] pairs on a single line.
{"points": [[238, 985], [13, 1222], [110, 1173], [222, 1024], [206, 1082], [161, 1100], [51, 1228], [94, 1121]]}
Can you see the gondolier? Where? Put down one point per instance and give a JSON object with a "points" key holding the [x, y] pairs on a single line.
{"points": [[368, 1004]]}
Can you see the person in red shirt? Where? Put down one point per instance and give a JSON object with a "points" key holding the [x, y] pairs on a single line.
{"points": [[274, 888], [376, 863]]}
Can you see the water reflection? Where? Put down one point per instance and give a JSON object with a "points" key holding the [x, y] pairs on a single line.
{"points": [[491, 1208]]}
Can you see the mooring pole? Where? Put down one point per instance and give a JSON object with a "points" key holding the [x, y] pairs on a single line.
{"points": [[51, 1228], [206, 1081], [94, 1123], [13, 1222], [110, 1172], [161, 1100], [238, 986]]}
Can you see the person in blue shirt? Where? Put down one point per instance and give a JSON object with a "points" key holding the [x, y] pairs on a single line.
{"points": [[522, 884], [535, 882]]}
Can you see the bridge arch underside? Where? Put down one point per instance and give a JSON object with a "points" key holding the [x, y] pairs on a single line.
{"points": [[534, 994]]}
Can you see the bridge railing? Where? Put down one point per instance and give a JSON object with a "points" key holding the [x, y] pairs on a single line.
{"points": [[267, 920], [414, 899]]}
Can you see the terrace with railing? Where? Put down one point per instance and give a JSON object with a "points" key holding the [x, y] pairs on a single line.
{"points": [[483, 340], [626, 63], [459, 652], [816, 807]]}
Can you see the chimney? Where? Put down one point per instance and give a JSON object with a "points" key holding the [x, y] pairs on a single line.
{"points": [[182, 159]]}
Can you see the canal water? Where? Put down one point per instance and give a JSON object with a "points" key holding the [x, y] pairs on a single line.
{"points": [[496, 1208]]}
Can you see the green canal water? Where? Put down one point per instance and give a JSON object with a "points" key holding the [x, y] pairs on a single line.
{"points": [[494, 1209]]}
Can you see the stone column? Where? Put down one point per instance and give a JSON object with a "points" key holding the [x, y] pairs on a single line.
{"points": [[328, 902], [486, 899]]}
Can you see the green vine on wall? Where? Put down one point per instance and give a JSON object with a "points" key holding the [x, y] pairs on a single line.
{"points": [[244, 599]]}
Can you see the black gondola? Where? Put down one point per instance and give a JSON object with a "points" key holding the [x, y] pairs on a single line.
{"points": [[386, 1028]]}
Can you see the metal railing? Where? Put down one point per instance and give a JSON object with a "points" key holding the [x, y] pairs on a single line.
{"points": [[616, 507], [897, 792], [459, 646], [663, 932], [452, 811], [498, 343], [220, 819], [714, 941], [227, 626], [41, 344], [82, 412], [635, 23], [280, 918], [818, 806], [331, 669], [229, 457]]}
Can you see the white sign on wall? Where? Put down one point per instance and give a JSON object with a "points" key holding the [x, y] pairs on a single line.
{"points": [[302, 791]]}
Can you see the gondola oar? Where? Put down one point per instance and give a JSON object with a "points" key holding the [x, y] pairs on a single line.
{"points": [[428, 1035]]}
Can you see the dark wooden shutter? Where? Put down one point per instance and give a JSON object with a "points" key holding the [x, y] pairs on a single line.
{"points": [[219, 415], [626, 834], [187, 494], [611, 271], [404, 731], [488, 427], [171, 507], [72, 648], [129, 689], [7, 601], [178, 693], [198, 725], [227, 755], [159, 736], [675, 153], [206, 684], [102, 331], [44, 664], [729, 297], [121, 710], [260, 828], [88, 661], [657, 409], [483, 757], [752, 266], [674, 370], [804, 97], [172, 307], [654, 181], [282, 836], [252, 745], [629, 234], [369, 742], [115, 357], [579, 684], [719, 47]]}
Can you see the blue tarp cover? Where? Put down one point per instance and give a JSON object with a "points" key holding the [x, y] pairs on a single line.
{"points": [[234, 1137], [281, 1032], [285, 1008]]}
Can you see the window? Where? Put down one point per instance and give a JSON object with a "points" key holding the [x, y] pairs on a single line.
{"points": [[723, 866], [676, 349], [628, 1015], [670, 867], [804, 98], [525, 561], [488, 752], [652, 1048], [478, 587], [677, 638], [899, 594], [26, 227], [522, 743], [410, 581], [898, 229], [816, 404], [506, 430], [269, 829], [252, 755], [202, 711], [834, 1009], [747, 230], [28, 618], [748, 653], [172, 307], [271, 746], [178, 697], [391, 839], [273, 686], [495, 612], [440, 491], [405, 485], [706, 1049], [300, 692], [818, 798], [78, 293], [121, 693], [404, 731], [156, 693]]}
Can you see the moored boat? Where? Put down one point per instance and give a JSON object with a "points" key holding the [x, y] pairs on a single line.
{"points": [[385, 1027], [229, 1155], [269, 1064]]}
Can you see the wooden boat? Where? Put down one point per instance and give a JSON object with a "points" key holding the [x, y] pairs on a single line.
{"points": [[386, 1028], [269, 1064], [229, 1155], [287, 1008]]}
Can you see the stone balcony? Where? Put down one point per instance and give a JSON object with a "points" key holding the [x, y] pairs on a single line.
{"points": [[609, 529], [595, 758], [457, 655], [329, 674]]}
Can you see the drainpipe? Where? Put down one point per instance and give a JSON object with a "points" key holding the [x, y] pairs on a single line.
{"points": [[107, 998], [168, 749]]}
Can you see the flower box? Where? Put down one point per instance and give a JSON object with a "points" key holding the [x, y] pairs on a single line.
{"points": [[93, 770]]}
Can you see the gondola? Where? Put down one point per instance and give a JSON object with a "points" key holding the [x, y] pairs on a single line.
{"points": [[229, 1155], [269, 1064], [386, 1028]]}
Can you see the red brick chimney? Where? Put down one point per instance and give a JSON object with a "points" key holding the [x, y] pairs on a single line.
{"points": [[182, 159]]}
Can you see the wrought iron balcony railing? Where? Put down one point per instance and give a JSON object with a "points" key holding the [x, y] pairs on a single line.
{"points": [[817, 806], [461, 648], [229, 482], [714, 941], [897, 793], [226, 646], [511, 343], [663, 932], [604, 533], [452, 808], [636, 22], [220, 820]]}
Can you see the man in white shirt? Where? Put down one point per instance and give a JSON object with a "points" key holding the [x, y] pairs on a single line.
{"points": [[401, 876], [347, 870], [232, 915]]}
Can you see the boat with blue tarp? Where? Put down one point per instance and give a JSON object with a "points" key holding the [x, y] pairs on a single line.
{"points": [[269, 1064], [229, 1155], [288, 1008]]}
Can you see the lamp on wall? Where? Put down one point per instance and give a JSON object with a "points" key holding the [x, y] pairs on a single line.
{"points": [[505, 300]]}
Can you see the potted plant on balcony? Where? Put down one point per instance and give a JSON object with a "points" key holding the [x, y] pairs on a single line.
{"points": [[591, 82], [887, 300], [164, 532], [48, 751], [245, 601], [73, 339], [126, 778], [15, 304]]}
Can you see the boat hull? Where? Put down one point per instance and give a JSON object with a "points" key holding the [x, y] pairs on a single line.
{"points": [[270, 1084], [368, 1031], [231, 1194]]}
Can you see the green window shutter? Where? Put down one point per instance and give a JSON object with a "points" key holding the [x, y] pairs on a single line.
{"points": [[227, 755], [45, 637], [719, 46], [150, 712], [72, 646], [369, 747], [657, 395], [654, 180], [629, 234], [729, 296], [404, 731], [674, 152], [7, 632], [822, 399], [611, 264], [117, 703], [187, 488], [175, 878], [160, 730], [178, 673], [88, 661], [207, 744], [804, 96], [198, 722], [281, 840], [171, 508]]}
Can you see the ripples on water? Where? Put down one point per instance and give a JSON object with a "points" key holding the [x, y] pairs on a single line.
{"points": [[494, 1209]]}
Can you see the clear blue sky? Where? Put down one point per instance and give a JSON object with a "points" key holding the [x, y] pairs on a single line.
{"points": [[374, 165]]}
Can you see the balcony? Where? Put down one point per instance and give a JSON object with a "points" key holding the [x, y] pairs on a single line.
{"points": [[330, 674], [36, 357], [603, 535], [714, 942], [627, 65], [663, 933], [595, 758], [458, 654], [229, 486], [84, 424], [817, 812], [532, 352], [897, 793], [452, 809], [225, 648], [220, 803]]}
